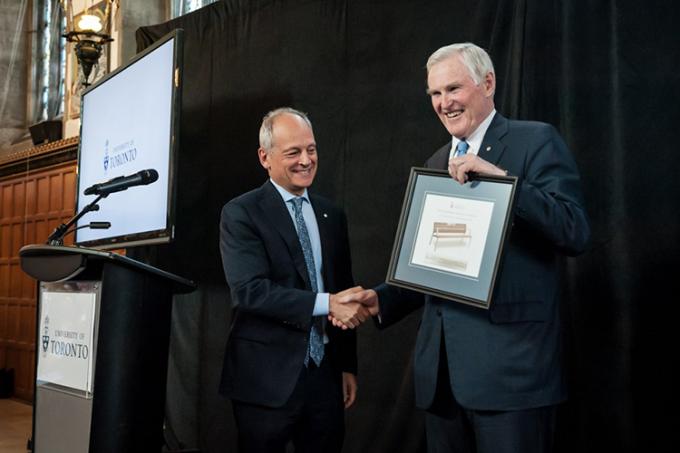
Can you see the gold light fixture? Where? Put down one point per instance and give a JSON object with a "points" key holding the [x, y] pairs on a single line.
{"points": [[90, 33]]}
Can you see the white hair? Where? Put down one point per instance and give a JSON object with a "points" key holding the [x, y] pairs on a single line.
{"points": [[475, 58], [267, 128]]}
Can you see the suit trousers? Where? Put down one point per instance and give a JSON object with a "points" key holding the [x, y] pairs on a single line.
{"points": [[451, 428], [312, 419]]}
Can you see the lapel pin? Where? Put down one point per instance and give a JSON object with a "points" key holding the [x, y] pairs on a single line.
{"points": [[325, 215], [488, 148]]}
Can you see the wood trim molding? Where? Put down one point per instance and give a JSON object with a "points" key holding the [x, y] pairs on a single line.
{"points": [[39, 156]]}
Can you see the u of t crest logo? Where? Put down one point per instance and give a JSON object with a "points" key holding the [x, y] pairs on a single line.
{"points": [[106, 156], [46, 335]]}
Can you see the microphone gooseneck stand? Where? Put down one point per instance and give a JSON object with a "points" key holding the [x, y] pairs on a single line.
{"points": [[57, 236]]}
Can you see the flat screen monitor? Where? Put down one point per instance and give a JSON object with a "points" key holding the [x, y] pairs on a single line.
{"points": [[130, 123]]}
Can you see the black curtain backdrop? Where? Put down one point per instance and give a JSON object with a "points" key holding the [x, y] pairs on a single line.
{"points": [[603, 72]]}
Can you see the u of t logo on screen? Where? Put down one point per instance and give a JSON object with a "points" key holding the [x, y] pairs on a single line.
{"points": [[106, 156]]}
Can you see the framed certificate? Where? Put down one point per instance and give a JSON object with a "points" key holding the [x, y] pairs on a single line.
{"points": [[450, 237]]}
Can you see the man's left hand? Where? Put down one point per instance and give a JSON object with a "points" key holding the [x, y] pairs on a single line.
{"points": [[349, 389]]}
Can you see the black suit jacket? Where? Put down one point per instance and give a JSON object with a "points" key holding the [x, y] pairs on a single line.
{"points": [[272, 298], [507, 357]]}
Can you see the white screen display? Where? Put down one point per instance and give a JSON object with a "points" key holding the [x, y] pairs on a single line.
{"points": [[126, 127]]}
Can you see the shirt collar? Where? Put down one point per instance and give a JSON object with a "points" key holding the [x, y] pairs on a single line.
{"points": [[287, 196], [475, 139]]}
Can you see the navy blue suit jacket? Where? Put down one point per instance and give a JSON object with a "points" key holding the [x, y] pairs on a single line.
{"points": [[507, 357], [272, 298]]}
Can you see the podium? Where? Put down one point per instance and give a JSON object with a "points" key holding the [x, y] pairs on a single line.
{"points": [[101, 350]]}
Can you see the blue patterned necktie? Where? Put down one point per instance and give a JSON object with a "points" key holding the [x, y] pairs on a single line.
{"points": [[462, 148], [315, 349]]}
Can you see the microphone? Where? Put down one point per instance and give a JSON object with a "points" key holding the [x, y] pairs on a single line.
{"points": [[57, 237], [141, 178], [99, 225]]}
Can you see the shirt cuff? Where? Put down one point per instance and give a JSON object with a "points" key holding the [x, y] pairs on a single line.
{"points": [[321, 304]]}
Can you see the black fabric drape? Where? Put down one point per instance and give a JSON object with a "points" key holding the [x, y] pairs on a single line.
{"points": [[604, 73]]}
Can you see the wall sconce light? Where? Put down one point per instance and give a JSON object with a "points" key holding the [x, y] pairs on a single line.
{"points": [[92, 30]]}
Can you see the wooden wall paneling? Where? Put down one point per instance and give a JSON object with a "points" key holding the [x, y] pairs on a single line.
{"points": [[5, 241], [3, 333], [31, 197], [32, 204]]}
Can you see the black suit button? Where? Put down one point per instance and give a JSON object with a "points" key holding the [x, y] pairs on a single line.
{"points": [[439, 311]]}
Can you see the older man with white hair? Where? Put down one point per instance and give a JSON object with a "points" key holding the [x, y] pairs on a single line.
{"points": [[490, 380]]}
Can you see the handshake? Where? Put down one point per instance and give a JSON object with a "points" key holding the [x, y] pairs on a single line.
{"points": [[351, 307]]}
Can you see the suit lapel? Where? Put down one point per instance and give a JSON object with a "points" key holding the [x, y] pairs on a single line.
{"points": [[492, 148], [440, 159], [275, 210]]}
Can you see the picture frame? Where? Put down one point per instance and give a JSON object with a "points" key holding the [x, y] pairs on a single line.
{"points": [[450, 237]]}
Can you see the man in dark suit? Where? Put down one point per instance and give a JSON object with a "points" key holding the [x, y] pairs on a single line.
{"points": [[490, 379], [285, 252]]}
